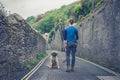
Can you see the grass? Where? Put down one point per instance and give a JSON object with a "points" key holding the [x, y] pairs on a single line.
{"points": [[85, 17], [32, 62], [99, 3]]}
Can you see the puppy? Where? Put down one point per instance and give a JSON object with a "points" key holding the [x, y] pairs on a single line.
{"points": [[54, 62]]}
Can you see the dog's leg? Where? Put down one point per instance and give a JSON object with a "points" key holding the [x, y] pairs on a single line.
{"points": [[57, 61]]}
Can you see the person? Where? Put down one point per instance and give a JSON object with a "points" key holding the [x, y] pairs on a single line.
{"points": [[70, 44]]}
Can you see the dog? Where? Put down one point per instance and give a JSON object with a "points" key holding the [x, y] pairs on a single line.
{"points": [[54, 62]]}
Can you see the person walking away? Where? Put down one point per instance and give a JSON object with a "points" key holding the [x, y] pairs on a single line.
{"points": [[70, 43]]}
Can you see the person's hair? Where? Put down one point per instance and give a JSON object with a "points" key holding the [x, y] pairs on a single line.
{"points": [[71, 21]]}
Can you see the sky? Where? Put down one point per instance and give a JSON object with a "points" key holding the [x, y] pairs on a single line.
{"points": [[27, 8]]}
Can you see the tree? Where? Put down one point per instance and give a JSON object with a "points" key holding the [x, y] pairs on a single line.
{"points": [[46, 24], [87, 5], [78, 10], [30, 20]]}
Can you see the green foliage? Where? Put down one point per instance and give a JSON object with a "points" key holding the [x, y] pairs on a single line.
{"points": [[30, 20], [52, 33], [85, 17], [30, 63], [87, 6], [82, 9], [46, 24], [79, 11], [75, 24], [99, 3], [51, 18], [40, 56], [61, 15]]}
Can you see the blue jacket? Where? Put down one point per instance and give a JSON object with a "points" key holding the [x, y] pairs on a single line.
{"points": [[71, 34]]}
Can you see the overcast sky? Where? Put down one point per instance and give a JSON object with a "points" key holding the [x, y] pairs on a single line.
{"points": [[27, 8]]}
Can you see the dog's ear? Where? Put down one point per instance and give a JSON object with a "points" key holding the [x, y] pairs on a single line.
{"points": [[54, 54]]}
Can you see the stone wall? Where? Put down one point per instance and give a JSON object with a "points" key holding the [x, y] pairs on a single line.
{"points": [[57, 42], [18, 43], [99, 36]]}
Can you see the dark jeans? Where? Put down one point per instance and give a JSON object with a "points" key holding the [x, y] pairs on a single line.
{"points": [[70, 49]]}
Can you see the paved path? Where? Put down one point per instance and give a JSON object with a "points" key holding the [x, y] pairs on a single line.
{"points": [[83, 71]]}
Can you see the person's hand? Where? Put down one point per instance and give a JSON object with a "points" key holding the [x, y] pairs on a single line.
{"points": [[65, 44]]}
